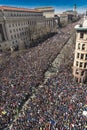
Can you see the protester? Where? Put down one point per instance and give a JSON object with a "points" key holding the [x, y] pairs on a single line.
{"points": [[56, 105]]}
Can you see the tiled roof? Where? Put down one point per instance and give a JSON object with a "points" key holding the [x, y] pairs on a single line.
{"points": [[18, 9]]}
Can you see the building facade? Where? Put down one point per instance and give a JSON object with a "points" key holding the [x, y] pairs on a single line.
{"points": [[63, 19], [72, 14], [48, 12], [80, 59], [19, 25]]}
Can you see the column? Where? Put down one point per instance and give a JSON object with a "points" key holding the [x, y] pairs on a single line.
{"points": [[4, 32]]}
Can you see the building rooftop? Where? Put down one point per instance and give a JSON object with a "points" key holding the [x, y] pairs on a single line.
{"points": [[18, 9], [69, 11], [82, 26], [63, 14], [45, 8]]}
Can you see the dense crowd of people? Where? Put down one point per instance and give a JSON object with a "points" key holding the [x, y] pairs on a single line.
{"points": [[23, 72], [56, 105]]}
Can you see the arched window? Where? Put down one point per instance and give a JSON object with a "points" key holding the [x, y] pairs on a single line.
{"points": [[83, 46], [82, 56]]}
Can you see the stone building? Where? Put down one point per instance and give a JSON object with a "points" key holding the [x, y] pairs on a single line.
{"points": [[48, 12], [19, 25], [72, 14], [63, 19], [80, 59]]}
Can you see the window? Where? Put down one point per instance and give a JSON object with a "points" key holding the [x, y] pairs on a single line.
{"points": [[10, 31], [82, 56], [77, 72], [76, 63], [11, 14], [14, 14], [76, 79], [9, 25], [82, 73], [15, 35], [85, 64], [18, 35], [13, 25], [83, 46], [78, 45], [81, 34], [22, 33], [11, 36], [80, 64], [78, 55], [14, 30], [86, 57]]}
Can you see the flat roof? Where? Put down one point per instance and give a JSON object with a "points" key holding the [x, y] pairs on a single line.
{"points": [[80, 27], [44, 8]]}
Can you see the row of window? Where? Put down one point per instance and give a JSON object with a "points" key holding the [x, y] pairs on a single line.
{"points": [[15, 14], [16, 42], [81, 46], [22, 23], [19, 35], [81, 64], [79, 73], [81, 56], [18, 29], [30, 23], [82, 34]]}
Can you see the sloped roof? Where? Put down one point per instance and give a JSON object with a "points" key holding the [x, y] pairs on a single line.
{"points": [[18, 9]]}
